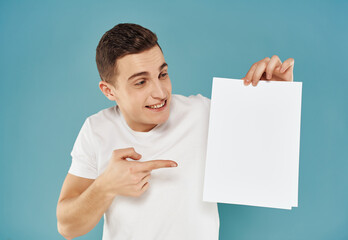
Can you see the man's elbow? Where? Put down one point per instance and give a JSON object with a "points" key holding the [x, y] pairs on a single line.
{"points": [[64, 231]]}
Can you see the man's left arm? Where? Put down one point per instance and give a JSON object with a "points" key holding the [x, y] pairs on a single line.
{"points": [[271, 69]]}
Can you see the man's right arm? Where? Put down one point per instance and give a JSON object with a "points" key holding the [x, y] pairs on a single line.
{"points": [[81, 205], [83, 201]]}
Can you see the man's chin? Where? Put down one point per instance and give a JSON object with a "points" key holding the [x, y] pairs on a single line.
{"points": [[160, 119]]}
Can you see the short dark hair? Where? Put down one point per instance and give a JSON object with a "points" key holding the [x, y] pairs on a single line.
{"points": [[122, 39]]}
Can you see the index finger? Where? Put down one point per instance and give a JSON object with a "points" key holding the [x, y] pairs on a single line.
{"points": [[155, 164], [248, 76]]}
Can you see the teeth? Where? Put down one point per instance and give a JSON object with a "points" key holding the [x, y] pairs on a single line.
{"points": [[158, 105]]}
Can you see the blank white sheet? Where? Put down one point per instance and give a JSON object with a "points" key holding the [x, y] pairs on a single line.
{"points": [[253, 143]]}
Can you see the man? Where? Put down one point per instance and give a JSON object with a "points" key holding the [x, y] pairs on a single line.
{"points": [[149, 129]]}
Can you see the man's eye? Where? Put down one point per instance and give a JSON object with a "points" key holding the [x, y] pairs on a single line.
{"points": [[163, 75], [140, 83]]}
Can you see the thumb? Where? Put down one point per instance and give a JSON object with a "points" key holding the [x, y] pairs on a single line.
{"points": [[123, 154]]}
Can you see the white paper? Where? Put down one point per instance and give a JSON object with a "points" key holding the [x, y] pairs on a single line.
{"points": [[253, 143]]}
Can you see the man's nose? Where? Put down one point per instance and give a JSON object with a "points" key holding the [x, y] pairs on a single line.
{"points": [[158, 90]]}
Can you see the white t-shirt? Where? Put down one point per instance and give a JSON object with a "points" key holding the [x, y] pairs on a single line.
{"points": [[172, 207]]}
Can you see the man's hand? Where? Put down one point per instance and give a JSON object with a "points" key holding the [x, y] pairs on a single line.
{"points": [[130, 178], [271, 69]]}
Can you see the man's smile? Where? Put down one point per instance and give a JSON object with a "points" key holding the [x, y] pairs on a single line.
{"points": [[158, 107]]}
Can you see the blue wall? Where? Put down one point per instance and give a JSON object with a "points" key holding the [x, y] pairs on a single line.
{"points": [[49, 85]]}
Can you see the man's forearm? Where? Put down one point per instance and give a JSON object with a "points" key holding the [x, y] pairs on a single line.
{"points": [[77, 216]]}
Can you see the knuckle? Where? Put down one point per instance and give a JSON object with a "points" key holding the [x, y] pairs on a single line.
{"points": [[256, 65], [115, 158], [137, 193], [269, 68], [152, 166], [139, 178], [114, 152], [132, 179], [131, 169], [142, 187], [133, 189], [146, 187], [263, 64]]}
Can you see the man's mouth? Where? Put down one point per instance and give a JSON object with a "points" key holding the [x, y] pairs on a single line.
{"points": [[158, 106]]}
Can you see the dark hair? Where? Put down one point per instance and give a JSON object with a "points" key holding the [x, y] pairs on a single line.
{"points": [[123, 39]]}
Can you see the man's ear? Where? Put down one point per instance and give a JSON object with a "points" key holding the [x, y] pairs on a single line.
{"points": [[107, 90]]}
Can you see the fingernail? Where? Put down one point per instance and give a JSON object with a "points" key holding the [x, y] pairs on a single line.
{"points": [[268, 76], [174, 165]]}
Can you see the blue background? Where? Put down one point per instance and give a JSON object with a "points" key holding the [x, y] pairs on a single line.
{"points": [[49, 85]]}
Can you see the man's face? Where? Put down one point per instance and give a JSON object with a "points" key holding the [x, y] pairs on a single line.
{"points": [[142, 87]]}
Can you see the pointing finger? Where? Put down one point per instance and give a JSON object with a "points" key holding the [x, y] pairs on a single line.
{"points": [[156, 164]]}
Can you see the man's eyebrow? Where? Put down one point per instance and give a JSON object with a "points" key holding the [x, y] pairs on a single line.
{"points": [[146, 73], [162, 66], [137, 74]]}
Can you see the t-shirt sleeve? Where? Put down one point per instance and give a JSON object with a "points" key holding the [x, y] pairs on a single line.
{"points": [[84, 161], [205, 100], [202, 100]]}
